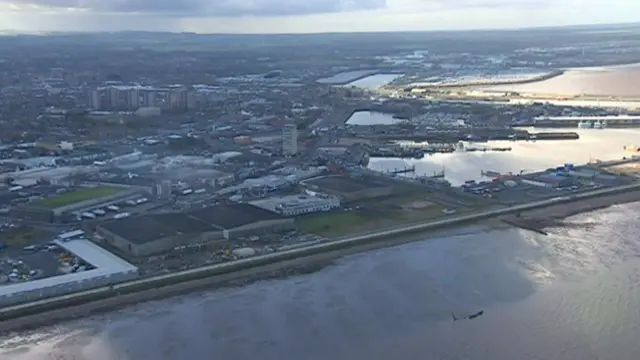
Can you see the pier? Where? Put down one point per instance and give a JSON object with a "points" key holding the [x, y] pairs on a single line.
{"points": [[607, 121], [485, 149], [406, 170]]}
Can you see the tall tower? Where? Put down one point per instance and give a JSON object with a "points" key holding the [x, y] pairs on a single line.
{"points": [[289, 140], [95, 99], [134, 99]]}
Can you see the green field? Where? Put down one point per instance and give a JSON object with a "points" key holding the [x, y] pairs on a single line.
{"points": [[332, 224], [77, 196]]}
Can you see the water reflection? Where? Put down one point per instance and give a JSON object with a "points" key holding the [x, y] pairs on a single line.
{"points": [[371, 118], [571, 295], [593, 144], [604, 81], [374, 81]]}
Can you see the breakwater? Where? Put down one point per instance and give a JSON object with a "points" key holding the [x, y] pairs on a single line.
{"points": [[476, 137], [532, 79], [175, 283]]}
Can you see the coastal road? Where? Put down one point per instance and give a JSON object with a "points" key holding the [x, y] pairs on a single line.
{"points": [[99, 299]]}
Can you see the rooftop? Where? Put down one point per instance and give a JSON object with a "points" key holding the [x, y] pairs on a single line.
{"points": [[288, 201], [233, 215], [148, 228], [139, 229], [106, 264]]}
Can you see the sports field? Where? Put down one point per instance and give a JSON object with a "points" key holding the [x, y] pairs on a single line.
{"points": [[77, 196]]}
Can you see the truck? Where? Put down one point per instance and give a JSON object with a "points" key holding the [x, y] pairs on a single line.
{"points": [[99, 212], [88, 215], [121, 215]]}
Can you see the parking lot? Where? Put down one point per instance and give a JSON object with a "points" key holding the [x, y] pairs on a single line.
{"points": [[517, 191], [27, 254]]}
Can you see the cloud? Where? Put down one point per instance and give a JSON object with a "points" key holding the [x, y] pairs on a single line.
{"points": [[221, 8]]}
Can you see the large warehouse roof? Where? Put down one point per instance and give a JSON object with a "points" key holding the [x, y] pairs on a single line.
{"points": [[147, 228], [233, 215]]}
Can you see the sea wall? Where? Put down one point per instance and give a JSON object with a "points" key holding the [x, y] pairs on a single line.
{"points": [[183, 277]]}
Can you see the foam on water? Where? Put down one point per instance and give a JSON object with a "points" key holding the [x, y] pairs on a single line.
{"points": [[574, 294]]}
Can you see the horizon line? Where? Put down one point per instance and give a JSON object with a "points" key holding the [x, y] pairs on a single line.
{"points": [[9, 32]]}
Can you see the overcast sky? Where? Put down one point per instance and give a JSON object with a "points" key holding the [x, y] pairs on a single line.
{"points": [[295, 16]]}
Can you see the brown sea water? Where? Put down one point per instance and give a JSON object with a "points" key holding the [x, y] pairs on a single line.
{"points": [[618, 81]]}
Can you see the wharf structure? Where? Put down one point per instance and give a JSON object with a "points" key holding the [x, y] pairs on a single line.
{"points": [[596, 122]]}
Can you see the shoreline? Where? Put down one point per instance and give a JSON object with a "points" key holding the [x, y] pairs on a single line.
{"points": [[280, 270], [543, 77], [25, 317]]}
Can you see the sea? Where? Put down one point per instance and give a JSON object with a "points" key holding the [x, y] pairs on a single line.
{"points": [[618, 81], [574, 294]]}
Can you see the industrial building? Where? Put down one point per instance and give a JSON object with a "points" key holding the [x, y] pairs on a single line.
{"points": [[351, 189], [52, 210], [108, 269], [154, 234], [295, 205]]}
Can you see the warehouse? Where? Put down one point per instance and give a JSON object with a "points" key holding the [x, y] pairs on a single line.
{"points": [[154, 234], [109, 269], [61, 208], [295, 205]]}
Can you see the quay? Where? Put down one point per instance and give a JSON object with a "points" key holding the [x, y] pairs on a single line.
{"points": [[596, 122], [123, 293], [406, 170], [466, 136]]}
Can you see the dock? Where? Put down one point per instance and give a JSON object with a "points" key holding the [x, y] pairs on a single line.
{"points": [[406, 170]]}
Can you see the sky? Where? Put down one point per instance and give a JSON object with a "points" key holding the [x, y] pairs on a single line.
{"points": [[307, 16]]}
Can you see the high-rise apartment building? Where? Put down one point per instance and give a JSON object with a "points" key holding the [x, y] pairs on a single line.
{"points": [[289, 140], [95, 99]]}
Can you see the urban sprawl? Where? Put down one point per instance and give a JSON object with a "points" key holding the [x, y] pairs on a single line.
{"points": [[131, 155]]}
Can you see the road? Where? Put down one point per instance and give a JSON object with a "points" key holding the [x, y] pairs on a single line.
{"points": [[172, 284]]}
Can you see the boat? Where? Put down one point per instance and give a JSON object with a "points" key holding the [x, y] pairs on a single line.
{"points": [[470, 317]]}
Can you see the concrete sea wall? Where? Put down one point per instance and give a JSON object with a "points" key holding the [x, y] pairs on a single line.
{"points": [[132, 287]]}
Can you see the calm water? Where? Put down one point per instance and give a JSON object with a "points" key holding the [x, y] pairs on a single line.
{"points": [[603, 144], [371, 118], [572, 295], [612, 81], [374, 81]]}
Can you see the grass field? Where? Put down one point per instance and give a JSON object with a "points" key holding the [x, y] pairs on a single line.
{"points": [[77, 196], [372, 215], [332, 224], [22, 236]]}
